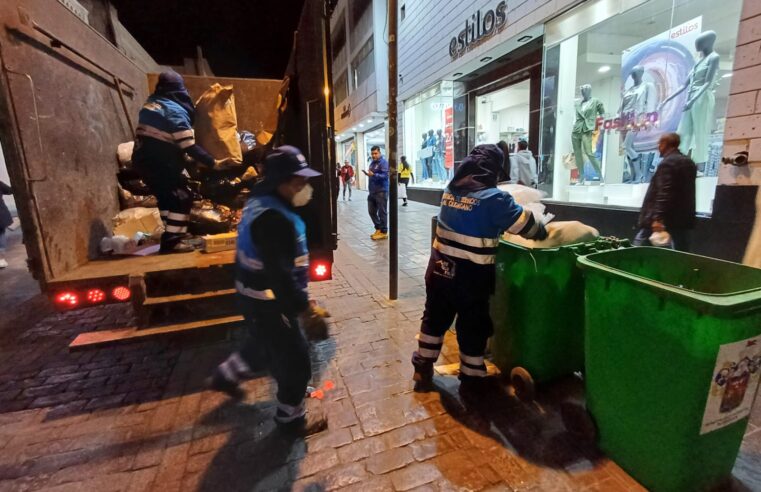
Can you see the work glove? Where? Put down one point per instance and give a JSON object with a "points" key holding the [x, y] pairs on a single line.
{"points": [[313, 322]]}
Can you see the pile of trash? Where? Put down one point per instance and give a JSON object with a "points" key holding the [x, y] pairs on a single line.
{"points": [[559, 233], [219, 193]]}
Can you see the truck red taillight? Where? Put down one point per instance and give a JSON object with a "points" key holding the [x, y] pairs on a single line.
{"points": [[121, 293], [95, 296], [321, 270], [67, 299]]}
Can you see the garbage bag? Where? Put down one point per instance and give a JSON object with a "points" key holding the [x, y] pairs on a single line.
{"points": [[558, 234], [216, 123], [207, 217], [134, 220], [220, 190], [124, 154], [129, 200], [523, 195]]}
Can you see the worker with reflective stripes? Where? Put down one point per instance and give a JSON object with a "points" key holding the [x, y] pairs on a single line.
{"points": [[271, 280], [164, 136], [461, 271]]}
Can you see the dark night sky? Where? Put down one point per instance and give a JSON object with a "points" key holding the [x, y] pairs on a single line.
{"points": [[240, 38]]}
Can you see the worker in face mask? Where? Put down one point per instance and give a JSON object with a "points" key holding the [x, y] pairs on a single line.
{"points": [[271, 280]]}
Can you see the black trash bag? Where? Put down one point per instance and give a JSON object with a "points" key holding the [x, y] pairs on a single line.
{"points": [[130, 180], [209, 218], [221, 190], [129, 200]]}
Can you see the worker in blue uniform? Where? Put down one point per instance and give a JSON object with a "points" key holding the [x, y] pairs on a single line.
{"points": [[164, 136], [272, 265], [461, 270]]}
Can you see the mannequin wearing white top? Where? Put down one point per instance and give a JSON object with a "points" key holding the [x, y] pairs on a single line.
{"points": [[637, 100]]}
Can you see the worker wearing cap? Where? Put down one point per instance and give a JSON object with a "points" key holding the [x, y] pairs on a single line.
{"points": [[271, 280], [461, 271], [164, 136]]}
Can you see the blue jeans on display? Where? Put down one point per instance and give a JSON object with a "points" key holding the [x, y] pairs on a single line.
{"points": [[438, 164], [377, 207]]}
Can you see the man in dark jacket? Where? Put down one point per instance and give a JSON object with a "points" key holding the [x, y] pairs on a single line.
{"points": [[5, 221], [271, 280], [377, 200], [164, 136], [668, 210], [461, 271]]}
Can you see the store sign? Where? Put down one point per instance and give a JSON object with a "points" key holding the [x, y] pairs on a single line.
{"points": [[449, 135], [480, 27]]}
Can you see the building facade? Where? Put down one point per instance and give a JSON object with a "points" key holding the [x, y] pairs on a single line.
{"points": [[360, 80], [590, 85]]}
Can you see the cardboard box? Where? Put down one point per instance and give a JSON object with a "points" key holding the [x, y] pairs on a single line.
{"points": [[219, 242]]}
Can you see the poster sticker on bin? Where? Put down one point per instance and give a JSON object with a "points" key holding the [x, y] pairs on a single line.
{"points": [[733, 385]]}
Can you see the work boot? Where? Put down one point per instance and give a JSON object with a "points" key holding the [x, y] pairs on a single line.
{"points": [[374, 234], [313, 422], [378, 236], [423, 377], [218, 382]]}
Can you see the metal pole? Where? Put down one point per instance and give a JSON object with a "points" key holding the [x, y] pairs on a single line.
{"points": [[393, 264]]}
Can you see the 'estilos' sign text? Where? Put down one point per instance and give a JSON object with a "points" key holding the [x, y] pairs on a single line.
{"points": [[480, 27]]}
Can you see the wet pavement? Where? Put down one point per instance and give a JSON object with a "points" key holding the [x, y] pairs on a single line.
{"points": [[137, 417]]}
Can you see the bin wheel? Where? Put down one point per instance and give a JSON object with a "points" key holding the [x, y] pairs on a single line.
{"points": [[578, 421], [523, 384]]}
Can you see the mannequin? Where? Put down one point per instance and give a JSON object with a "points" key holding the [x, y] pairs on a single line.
{"points": [[439, 151], [426, 171], [638, 99], [697, 115], [587, 110], [431, 142]]}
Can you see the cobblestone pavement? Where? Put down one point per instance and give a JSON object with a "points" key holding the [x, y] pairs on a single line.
{"points": [[137, 417]]}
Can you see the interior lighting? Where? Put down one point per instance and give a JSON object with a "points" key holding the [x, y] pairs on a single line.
{"points": [[604, 69]]}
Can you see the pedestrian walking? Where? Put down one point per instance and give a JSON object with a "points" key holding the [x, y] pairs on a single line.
{"points": [[347, 178], [668, 211], [164, 136], [405, 174], [377, 201], [5, 221], [272, 273], [523, 166], [461, 270]]}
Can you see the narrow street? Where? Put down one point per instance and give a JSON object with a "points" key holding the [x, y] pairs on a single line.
{"points": [[137, 417]]}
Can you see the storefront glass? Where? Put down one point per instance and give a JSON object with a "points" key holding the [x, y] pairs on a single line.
{"points": [[503, 115], [429, 136], [616, 80], [376, 136]]}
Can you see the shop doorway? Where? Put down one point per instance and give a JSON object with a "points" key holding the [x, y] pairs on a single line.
{"points": [[504, 115]]}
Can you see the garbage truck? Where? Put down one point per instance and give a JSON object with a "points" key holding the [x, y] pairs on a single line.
{"points": [[69, 96]]}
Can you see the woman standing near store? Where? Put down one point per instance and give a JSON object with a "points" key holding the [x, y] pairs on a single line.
{"points": [[405, 174]]}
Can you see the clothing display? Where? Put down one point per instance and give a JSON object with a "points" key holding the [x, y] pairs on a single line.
{"points": [[587, 110], [697, 122], [582, 149]]}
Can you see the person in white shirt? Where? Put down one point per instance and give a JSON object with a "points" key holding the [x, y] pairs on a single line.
{"points": [[523, 166]]}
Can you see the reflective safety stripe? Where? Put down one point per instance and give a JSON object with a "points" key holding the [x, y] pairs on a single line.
{"points": [[184, 144], [429, 338], [183, 134], [288, 413], [176, 229], [519, 224], [465, 255], [249, 263], [164, 213], [262, 295], [429, 353], [180, 217], [302, 261], [153, 132], [473, 361], [477, 242], [237, 362], [469, 371]]}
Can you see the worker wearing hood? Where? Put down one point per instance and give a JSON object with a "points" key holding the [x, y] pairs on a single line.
{"points": [[164, 136], [461, 271]]}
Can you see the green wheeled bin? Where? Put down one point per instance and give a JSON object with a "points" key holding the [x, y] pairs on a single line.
{"points": [[673, 358], [538, 312]]}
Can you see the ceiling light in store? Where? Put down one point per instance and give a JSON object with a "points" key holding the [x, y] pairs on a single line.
{"points": [[486, 59], [523, 39], [726, 75], [369, 121], [361, 125], [604, 69]]}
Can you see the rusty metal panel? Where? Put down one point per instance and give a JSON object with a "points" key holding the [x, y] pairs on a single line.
{"points": [[61, 117], [255, 99]]}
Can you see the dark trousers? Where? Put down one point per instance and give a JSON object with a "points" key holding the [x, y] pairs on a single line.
{"points": [[377, 207], [680, 238], [346, 186], [277, 343], [451, 295], [162, 172]]}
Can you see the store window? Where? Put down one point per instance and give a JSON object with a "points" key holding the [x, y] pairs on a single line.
{"points": [[376, 136], [503, 115], [341, 87], [429, 136], [615, 81], [363, 65]]}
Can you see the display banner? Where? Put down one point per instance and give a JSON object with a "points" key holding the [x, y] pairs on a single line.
{"points": [[449, 135]]}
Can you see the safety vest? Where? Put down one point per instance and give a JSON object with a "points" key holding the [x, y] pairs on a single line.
{"points": [[469, 225], [250, 279]]}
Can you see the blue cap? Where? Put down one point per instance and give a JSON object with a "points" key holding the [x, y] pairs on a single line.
{"points": [[287, 161]]}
